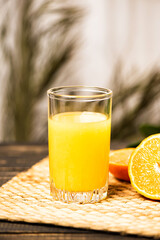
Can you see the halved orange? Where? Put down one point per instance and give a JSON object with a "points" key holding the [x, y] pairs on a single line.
{"points": [[144, 167], [118, 163]]}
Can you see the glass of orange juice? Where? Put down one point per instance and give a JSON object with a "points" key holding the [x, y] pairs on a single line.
{"points": [[79, 126]]}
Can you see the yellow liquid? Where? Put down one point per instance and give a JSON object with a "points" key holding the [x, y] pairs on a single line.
{"points": [[79, 145]]}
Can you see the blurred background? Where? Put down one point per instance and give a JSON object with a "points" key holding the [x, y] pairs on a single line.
{"points": [[107, 43]]}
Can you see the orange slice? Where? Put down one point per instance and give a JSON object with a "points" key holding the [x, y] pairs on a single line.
{"points": [[118, 163], [144, 167]]}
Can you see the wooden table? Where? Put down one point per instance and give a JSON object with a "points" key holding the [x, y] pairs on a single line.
{"points": [[17, 158]]}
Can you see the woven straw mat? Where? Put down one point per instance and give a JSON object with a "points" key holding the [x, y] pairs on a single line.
{"points": [[26, 197]]}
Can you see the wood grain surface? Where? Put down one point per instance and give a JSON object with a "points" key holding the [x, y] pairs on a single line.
{"points": [[17, 158]]}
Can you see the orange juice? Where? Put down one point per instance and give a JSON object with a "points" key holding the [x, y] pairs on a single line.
{"points": [[79, 145]]}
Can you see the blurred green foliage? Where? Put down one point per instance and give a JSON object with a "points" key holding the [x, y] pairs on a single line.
{"points": [[133, 104], [27, 83], [28, 78], [146, 130]]}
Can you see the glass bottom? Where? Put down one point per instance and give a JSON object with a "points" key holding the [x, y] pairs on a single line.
{"points": [[79, 197]]}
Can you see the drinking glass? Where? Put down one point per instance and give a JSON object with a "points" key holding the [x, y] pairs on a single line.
{"points": [[79, 126]]}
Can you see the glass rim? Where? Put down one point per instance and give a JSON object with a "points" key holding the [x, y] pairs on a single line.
{"points": [[98, 93]]}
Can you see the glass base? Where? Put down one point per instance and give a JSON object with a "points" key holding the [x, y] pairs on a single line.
{"points": [[79, 197]]}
